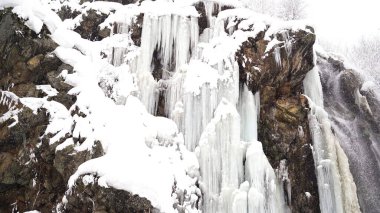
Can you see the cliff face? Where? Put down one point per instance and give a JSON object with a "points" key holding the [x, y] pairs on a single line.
{"points": [[34, 173], [283, 125]]}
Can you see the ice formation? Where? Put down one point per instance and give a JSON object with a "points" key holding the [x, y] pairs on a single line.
{"points": [[337, 190], [208, 112]]}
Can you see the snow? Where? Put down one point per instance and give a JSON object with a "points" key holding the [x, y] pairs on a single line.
{"points": [[160, 164], [101, 6], [60, 121], [200, 73], [368, 86], [34, 13], [308, 195], [153, 176], [48, 90]]}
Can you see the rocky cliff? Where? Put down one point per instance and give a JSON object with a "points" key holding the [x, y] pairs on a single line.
{"points": [[34, 173]]}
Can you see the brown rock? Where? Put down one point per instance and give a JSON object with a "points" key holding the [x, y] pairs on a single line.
{"points": [[283, 125], [94, 198], [34, 62]]}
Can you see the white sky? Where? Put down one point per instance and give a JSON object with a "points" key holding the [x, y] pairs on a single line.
{"points": [[344, 20]]}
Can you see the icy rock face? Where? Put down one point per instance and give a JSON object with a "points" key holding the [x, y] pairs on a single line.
{"points": [[89, 192], [224, 77], [89, 27], [280, 61], [276, 65], [34, 173], [351, 101]]}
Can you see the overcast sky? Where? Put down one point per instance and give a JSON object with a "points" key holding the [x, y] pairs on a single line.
{"points": [[344, 20]]}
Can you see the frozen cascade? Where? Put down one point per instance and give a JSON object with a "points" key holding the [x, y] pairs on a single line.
{"points": [[221, 157], [217, 116], [226, 182], [206, 101], [337, 190], [266, 193], [206, 80], [356, 130], [173, 36], [248, 108]]}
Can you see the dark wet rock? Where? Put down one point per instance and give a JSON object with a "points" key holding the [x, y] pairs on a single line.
{"points": [[296, 59], [25, 56], [203, 22], [202, 19], [89, 26], [90, 197], [33, 174], [17, 170], [68, 160], [283, 126], [284, 133], [136, 29], [66, 12]]}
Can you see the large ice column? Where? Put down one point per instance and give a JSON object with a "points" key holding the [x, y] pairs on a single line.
{"points": [[336, 187], [265, 193], [140, 65], [204, 88], [248, 110], [221, 157], [228, 184], [122, 43]]}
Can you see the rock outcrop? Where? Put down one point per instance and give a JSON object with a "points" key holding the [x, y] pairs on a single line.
{"points": [[278, 75], [33, 173]]}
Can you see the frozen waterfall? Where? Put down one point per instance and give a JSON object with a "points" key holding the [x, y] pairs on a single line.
{"points": [[353, 112], [217, 115], [337, 190], [175, 120]]}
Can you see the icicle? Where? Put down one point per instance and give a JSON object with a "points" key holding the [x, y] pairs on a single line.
{"points": [[288, 43], [211, 7], [118, 54], [221, 158], [313, 87], [277, 56], [265, 192], [240, 199], [148, 91], [248, 115], [283, 176], [201, 100], [173, 36]]}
